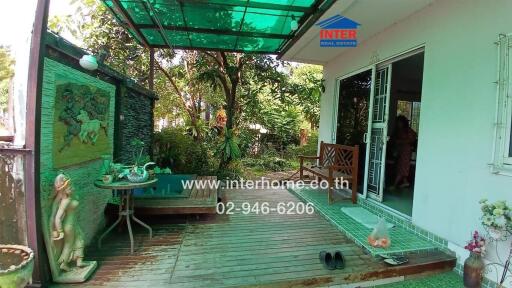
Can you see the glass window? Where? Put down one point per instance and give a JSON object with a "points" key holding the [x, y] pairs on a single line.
{"points": [[502, 163]]}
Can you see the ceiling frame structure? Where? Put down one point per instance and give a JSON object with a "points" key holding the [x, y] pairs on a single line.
{"points": [[246, 26]]}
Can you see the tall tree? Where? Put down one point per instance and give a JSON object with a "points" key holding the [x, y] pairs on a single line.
{"points": [[191, 91], [306, 84], [237, 75]]}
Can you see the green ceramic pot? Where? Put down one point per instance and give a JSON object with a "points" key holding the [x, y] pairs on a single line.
{"points": [[473, 271], [16, 265]]}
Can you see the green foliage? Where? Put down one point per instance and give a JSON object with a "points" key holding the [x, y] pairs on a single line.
{"points": [[94, 25], [310, 149], [232, 171], [159, 170], [4, 94], [6, 73], [283, 122], [200, 127], [228, 149], [307, 86], [6, 64], [247, 138], [138, 149], [176, 149], [252, 88], [268, 161]]}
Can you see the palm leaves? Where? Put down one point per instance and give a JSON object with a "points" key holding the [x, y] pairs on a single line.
{"points": [[229, 149]]}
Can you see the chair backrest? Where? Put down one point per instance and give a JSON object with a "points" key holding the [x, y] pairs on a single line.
{"points": [[339, 155]]}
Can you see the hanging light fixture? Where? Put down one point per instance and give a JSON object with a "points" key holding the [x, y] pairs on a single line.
{"points": [[294, 25], [88, 62]]}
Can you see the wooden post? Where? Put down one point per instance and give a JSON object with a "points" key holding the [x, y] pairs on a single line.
{"points": [[151, 69], [32, 140], [301, 171]]}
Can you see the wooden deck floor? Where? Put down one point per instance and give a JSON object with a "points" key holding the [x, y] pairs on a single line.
{"points": [[243, 250]]}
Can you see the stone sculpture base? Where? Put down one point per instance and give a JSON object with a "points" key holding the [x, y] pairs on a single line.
{"points": [[77, 275]]}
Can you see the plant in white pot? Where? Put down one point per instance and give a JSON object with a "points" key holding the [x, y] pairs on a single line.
{"points": [[16, 265], [496, 218]]}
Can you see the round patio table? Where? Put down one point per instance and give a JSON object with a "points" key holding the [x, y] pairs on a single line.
{"points": [[126, 207]]}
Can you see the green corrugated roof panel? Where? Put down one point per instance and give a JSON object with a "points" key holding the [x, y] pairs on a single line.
{"points": [[235, 25]]}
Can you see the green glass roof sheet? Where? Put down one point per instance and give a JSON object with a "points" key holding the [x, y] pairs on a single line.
{"points": [[262, 26]]}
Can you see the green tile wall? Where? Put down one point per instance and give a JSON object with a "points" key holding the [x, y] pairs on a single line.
{"points": [[137, 122], [92, 200]]}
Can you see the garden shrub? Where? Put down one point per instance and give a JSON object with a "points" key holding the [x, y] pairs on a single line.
{"points": [[247, 138], [310, 149], [176, 149], [268, 161], [234, 171]]}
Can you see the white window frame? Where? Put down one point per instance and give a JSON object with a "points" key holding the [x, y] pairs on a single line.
{"points": [[502, 160]]}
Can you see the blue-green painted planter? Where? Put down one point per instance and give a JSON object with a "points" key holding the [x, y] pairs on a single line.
{"points": [[168, 186], [16, 266]]}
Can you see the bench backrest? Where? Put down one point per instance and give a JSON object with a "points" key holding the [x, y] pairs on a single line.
{"points": [[346, 157]]}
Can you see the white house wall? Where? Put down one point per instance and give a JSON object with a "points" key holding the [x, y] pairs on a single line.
{"points": [[457, 111]]}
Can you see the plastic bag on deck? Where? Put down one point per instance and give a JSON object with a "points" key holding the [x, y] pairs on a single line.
{"points": [[380, 235]]}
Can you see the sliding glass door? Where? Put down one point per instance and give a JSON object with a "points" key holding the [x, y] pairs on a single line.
{"points": [[351, 119], [376, 137], [362, 119]]}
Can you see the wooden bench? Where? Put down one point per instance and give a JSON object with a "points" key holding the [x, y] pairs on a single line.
{"points": [[334, 161]]}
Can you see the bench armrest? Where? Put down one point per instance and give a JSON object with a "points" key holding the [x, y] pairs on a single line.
{"points": [[302, 158]]}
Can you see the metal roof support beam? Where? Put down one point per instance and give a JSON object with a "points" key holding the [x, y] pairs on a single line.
{"points": [[217, 32], [129, 22], [154, 18], [215, 49], [319, 7], [253, 4]]}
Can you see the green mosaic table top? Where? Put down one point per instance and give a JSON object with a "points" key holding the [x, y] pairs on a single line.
{"points": [[402, 240]]}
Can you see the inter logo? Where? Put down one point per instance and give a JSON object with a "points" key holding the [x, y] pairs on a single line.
{"points": [[338, 31]]}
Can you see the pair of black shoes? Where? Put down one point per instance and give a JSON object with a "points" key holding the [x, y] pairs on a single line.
{"points": [[332, 261]]}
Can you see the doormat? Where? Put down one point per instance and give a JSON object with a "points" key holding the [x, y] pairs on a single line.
{"points": [[364, 216]]}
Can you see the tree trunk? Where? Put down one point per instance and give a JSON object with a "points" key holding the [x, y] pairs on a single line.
{"points": [[230, 115], [207, 112]]}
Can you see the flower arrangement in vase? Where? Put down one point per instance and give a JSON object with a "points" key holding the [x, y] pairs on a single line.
{"points": [[496, 218], [137, 172], [474, 264]]}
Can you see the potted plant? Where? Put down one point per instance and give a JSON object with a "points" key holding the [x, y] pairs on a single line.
{"points": [[496, 218], [109, 174], [106, 169], [138, 151], [137, 172], [16, 265], [474, 264]]}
